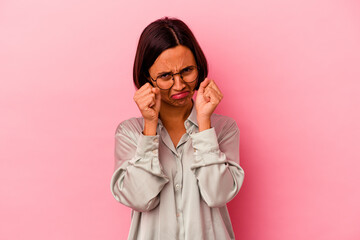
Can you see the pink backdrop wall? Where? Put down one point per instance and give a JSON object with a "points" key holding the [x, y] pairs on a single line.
{"points": [[290, 74]]}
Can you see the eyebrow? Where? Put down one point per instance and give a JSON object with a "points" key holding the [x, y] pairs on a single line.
{"points": [[161, 73]]}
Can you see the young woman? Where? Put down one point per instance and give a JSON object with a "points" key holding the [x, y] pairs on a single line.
{"points": [[178, 165]]}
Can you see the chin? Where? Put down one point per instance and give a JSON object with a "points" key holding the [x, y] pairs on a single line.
{"points": [[180, 102]]}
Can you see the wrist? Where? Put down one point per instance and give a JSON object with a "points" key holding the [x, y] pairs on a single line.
{"points": [[204, 123], [150, 128]]}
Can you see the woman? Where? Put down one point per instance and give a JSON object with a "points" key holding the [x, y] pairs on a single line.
{"points": [[178, 165]]}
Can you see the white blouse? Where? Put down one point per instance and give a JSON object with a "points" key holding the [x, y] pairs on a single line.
{"points": [[178, 193]]}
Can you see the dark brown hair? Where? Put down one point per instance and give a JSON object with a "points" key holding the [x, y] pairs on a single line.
{"points": [[160, 35]]}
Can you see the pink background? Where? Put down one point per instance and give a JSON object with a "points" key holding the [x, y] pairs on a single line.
{"points": [[290, 74]]}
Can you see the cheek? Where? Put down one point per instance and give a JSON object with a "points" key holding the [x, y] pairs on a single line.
{"points": [[164, 95]]}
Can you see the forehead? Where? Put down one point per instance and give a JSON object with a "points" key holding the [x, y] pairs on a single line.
{"points": [[173, 59]]}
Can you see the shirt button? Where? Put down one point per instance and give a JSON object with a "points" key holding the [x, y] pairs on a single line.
{"points": [[177, 187], [155, 151], [178, 214], [188, 124], [156, 140]]}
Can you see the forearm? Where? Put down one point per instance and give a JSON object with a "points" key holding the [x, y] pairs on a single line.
{"points": [[204, 123], [138, 177], [150, 127], [137, 188], [219, 176]]}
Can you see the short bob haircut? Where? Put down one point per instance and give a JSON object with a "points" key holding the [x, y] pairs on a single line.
{"points": [[160, 35]]}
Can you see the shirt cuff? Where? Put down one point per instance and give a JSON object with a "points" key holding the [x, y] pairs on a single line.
{"points": [[206, 148], [205, 141], [147, 146], [147, 155]]}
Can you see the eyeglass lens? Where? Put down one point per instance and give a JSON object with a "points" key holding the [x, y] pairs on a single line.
{"points": [[166, 80]]}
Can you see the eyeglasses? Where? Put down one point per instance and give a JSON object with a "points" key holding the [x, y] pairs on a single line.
{"points": [[166, 80]]}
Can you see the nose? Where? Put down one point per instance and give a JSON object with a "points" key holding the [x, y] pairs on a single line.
{"points": [[179, 84]]}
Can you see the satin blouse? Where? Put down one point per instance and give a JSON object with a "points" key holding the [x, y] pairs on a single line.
{"points": [[178, 192]]}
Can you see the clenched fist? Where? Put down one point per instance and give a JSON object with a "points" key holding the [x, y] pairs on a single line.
{"points": [[207, 99], [148, 101]]}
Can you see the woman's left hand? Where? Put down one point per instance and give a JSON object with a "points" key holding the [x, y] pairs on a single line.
{"points": [[207, 99]]}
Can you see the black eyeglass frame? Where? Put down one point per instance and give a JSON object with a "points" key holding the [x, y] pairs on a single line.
{"points": [[172, 77]]}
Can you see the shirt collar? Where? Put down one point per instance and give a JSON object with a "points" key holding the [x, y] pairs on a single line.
{"points": [[192, 117]]}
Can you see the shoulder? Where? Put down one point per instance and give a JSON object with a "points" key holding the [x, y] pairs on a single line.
{"points": [[224, 125], [132, 125]]}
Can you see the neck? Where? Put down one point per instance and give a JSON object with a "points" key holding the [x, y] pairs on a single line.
{"points": [[171, 114]]}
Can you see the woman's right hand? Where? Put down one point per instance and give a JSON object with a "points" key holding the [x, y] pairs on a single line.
{"points": [[148, 101]]}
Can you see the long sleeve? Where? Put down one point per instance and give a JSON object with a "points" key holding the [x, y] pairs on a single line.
{"points": [[178, 192], [216, 164], [138, 177]]}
